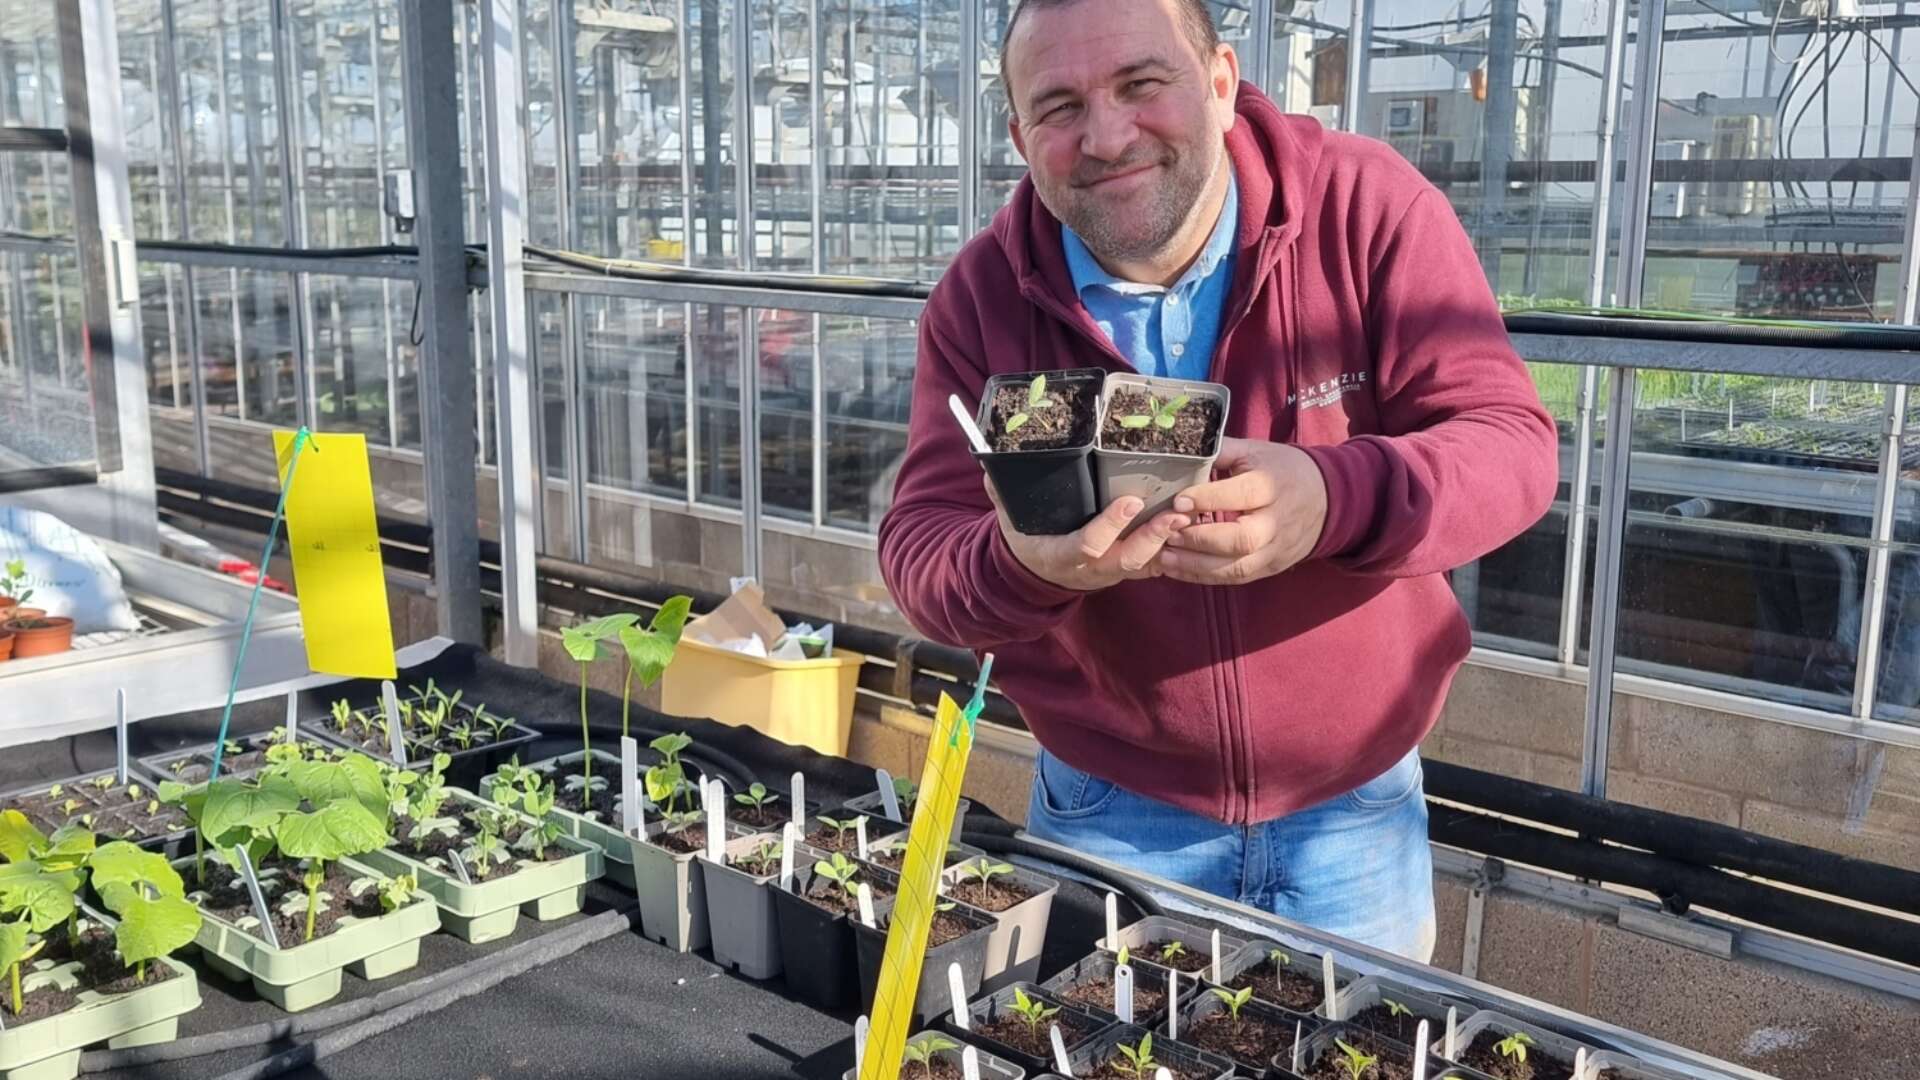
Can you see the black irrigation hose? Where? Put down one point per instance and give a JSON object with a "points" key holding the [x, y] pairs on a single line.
{"points": [[999, 843], [460, 981]]}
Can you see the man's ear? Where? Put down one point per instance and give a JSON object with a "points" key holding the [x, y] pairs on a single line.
{"points": [[1013, 132], [1223, 74]]}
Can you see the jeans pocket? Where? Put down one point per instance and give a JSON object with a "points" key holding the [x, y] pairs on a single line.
{"points": [[1066, 792], [1390, 788]]}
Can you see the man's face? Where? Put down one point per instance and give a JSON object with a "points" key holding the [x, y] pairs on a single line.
{"points": [[1119, 119]]}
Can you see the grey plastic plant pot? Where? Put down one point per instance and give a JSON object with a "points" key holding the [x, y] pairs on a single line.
{"points": [[989, 1009], [605, 835], [1019, 933], [672, 888], [49, 1048], [932, 997], [991, 1067], [1045, 492], [1155, 478], [874, 808], [1185, 1062], [308, 974], [1375, 990], [1254, 953], [1142, 936], [1195, 1008], [744, 930], [1321, 1043], [1613, 1065], [1550, 1043], [1098, 967], [490, 910]]}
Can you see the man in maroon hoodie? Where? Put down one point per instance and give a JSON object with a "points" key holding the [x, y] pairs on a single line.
{"points": [[1232, 694]]}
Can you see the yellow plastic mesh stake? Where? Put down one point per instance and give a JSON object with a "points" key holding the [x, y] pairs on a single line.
{"points": [[913, 905], [335, 547]]}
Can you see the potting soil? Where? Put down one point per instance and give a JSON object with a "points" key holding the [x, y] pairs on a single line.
{"points": [[37, 1004], [1251, 1041], [1400, 1027], [1294, 990], [997, 894], [1098, 993], [229, 900], [1391, 1061], [437, 845], [1066, 418], [1539, 1064], [1010, 1029], [1192, 433]]}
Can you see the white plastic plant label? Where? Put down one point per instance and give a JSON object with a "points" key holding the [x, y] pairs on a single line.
{"points": [[789, 836], [716, 822], [1123, 993], [969, 1064], [799, 800], [889, 798], [459, 867], [293, 716], [1060, 1063], [860, 835], [1453, 1033], [866, 906], [1326, 976], [1579, 1065], [957, 986], [632, 818], [260, 909], [396, 745], [1420, 1044], [1162, 1074], [1299, 1026], [1173, 1005], [1113, 921], [120, 736], [1216, 957], [860, 1030]]}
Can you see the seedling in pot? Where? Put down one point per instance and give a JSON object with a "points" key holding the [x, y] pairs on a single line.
{"points": [[650, 651], [841, 871], [841, 828], [763, 860], [536, 801], [1159, 414], [147, 894], [979, 873], [582, 643], [394, 892], [14, 582], [496, 725], [1353, 1063], [1514, 1046], [1235, 1000], [666, 781], [757, 798], [1137, 1060], [32, 902], [1037, 400], [1394, 1008], [1032, 1010], [921, 1051]]}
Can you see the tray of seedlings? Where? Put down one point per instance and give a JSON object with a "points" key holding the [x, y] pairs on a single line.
{"points": [[1127, 1052], [1161, 944], [1344, 1052], [432, 721], [1290, 978], [1234, 1025], [1508, 1049], [242, 755], [931, 1055], [1018, 902], [76, 976], [1014, 1023], [1090, 984], [100, 803]]}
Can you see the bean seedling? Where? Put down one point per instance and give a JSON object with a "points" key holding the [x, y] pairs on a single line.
{"points": [[1032, 1010], [1139, 1058], [666, 780], [923, 1050], [395, 892], [1160, 414], [1036, 400], [983, 871], [650, 651], [1235, 1001], [582, 643], [1353, 1061]]}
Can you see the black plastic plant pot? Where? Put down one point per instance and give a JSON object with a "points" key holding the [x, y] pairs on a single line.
{"points": [[816, 946], [1046, 492], [740, 912], [1155, 478], [1202, 1013], [880, 825], [1183, 1061], [991, 1065], [933, 996], [1321, 1043], [1096, 968], [1077, 1025]]}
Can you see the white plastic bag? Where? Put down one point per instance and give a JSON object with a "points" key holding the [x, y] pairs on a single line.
{"points": [[69, 574]]}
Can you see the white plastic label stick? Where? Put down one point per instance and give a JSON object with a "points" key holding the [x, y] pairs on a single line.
{"points": [[396, 744], [459, 867], [1216, 956], [970, 1064], [860, 835], [293, 716], [860, 1028], [1060, 1063], [1420, 1045], [1298, 1027], [716, 822], [788, 837], [1453, 1033], [800, 800], [866, 905], [1123, 993], [957, 986], [889, 799], [260, 909], [630, 785], [120, 736], [1113, 922], [1579, 1065], [1162, 1074], [1326, 975], [1173, 1004]]}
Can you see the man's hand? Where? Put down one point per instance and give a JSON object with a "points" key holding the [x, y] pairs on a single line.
{"points": [[1097, 556], [1275, 504]]}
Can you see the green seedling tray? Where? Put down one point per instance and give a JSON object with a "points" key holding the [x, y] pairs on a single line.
{"points": [[304, 975], [491, 910], [49, 1048], [606, 836]]}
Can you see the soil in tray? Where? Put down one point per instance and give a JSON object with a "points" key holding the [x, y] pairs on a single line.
{"points": [[1098, 994], [771, 815], [1193, 432], [1189, 959], [435, 846], [829, 895], [195, 768], [996, 895], [825, 838], [1295, 990], [947, 927], [113, 811], [1010, 1029], [227, 899], [1253, 1041], [1538, 1066], [1400, 1027], [688, 841], [938, 1069], [1392, 1062], [1064, 420], [571, 794], [39, 1004], [1115, 1068], [102, 970]]}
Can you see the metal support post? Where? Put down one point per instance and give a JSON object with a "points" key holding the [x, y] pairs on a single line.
{"points": [[968, 113], [1497, 154], [746, 240], [1615, 473], [446, 350], [512, 364], [1257, 66], [292, 204], [1359, 19], [168, 73], [109, 280], [817, 137]]}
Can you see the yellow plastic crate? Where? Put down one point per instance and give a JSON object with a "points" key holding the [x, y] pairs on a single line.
{"points": [[803, 702]]}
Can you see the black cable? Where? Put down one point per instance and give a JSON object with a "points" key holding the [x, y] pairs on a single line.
{"points": [[1893, 62]]}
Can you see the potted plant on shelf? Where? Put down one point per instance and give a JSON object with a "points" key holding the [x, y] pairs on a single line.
{"points": [[302, 824], [1014, 1022], [1019, 902], [1507, 1049], [1158, 437], [39, 634], [932, 1056], [745, 932], [1040, 428], [485, 864], [1127, 1052], [1285, 977], [15, 588], [816, 938], [1230, 1023], [955, 936], [1089, 984], [907, 794]]}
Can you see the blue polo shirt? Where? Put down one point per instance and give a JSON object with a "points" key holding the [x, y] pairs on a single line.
{"points": [[1166, 332]]}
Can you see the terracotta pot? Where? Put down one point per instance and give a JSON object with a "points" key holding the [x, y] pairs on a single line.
{"points": [[6, 644], [7, 604], [23, 613], [41, 640]]}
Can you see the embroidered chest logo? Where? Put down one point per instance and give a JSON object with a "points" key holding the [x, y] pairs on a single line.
{"points": [[1326, 392]]}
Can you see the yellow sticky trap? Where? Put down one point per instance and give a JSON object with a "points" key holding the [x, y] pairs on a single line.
{"points": [[914, 904], [335, 546]]}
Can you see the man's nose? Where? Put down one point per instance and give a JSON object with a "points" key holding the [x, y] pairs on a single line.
{"points": [[1109, 131]]}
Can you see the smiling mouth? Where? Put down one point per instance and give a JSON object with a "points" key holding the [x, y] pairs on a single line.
{"points": [[1129, 174]]}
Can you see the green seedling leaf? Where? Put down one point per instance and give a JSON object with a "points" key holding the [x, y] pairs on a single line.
{"points": [[582, 642], [335, 830], [1037, 392], [151, 928], [123, 864], [13, 944], [32, 897], [1394, 1008], [1352, 1061], [19, 839], [1016, 422], [1032, 1010], [1514, 1046], [1135, 422], [233, 806], [650, 651]]}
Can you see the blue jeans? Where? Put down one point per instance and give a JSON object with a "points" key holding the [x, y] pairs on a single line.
{"points": [[1356, 865]]}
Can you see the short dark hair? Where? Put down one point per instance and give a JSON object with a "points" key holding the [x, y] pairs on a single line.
{"points": [[1195, 19]]}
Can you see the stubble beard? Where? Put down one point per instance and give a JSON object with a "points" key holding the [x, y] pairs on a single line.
{"points": [[1118, 234]]}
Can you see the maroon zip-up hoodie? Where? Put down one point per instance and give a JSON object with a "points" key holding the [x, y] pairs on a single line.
{"points": [[1359, 327]]}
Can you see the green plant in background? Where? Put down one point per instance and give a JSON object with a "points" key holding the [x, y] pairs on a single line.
{"points": [[33, 900], [762, 859], [983, 871], [1159, 414], [1036, 400], [756, 796], [679, 821], [905, 791], [462, 737], [536, 801], [649, 651], [582, 643], [1235, 1000], [665, 781], [14, 582], [1353, 1061], [841, 871], [923, 1050], [395, 892], [1514, 1047], [147, 896], [1138, 1058], [1031, 1010], [1171, 950], [496, 725], [343, 716]]}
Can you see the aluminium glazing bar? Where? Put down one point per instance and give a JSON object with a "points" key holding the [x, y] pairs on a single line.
{"points": [[817, 231], [1657, 354], [1257, 65], [519, 477], [1359, 20], [885, 307], [292, 203], [746, 242], [168, 72], [566, 127], [968, 114], [396, 267]]}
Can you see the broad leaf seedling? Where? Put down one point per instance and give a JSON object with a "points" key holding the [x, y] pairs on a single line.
{"points": [[1394, 1008], [650, 651], [1036, 400], [665, 781], [1171, 950], [1514, 1046], [15, 581], [582, 643], [840, 870], [756, 796], [1160, 414], [1139, 1058], [1353, 1061], [840, 828], [1032, 1010], [923, 1050], [1235, 1001]]}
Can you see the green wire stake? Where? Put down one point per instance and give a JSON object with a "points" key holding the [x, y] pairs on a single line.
{"points": [[300, 439], [977, 705]]}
